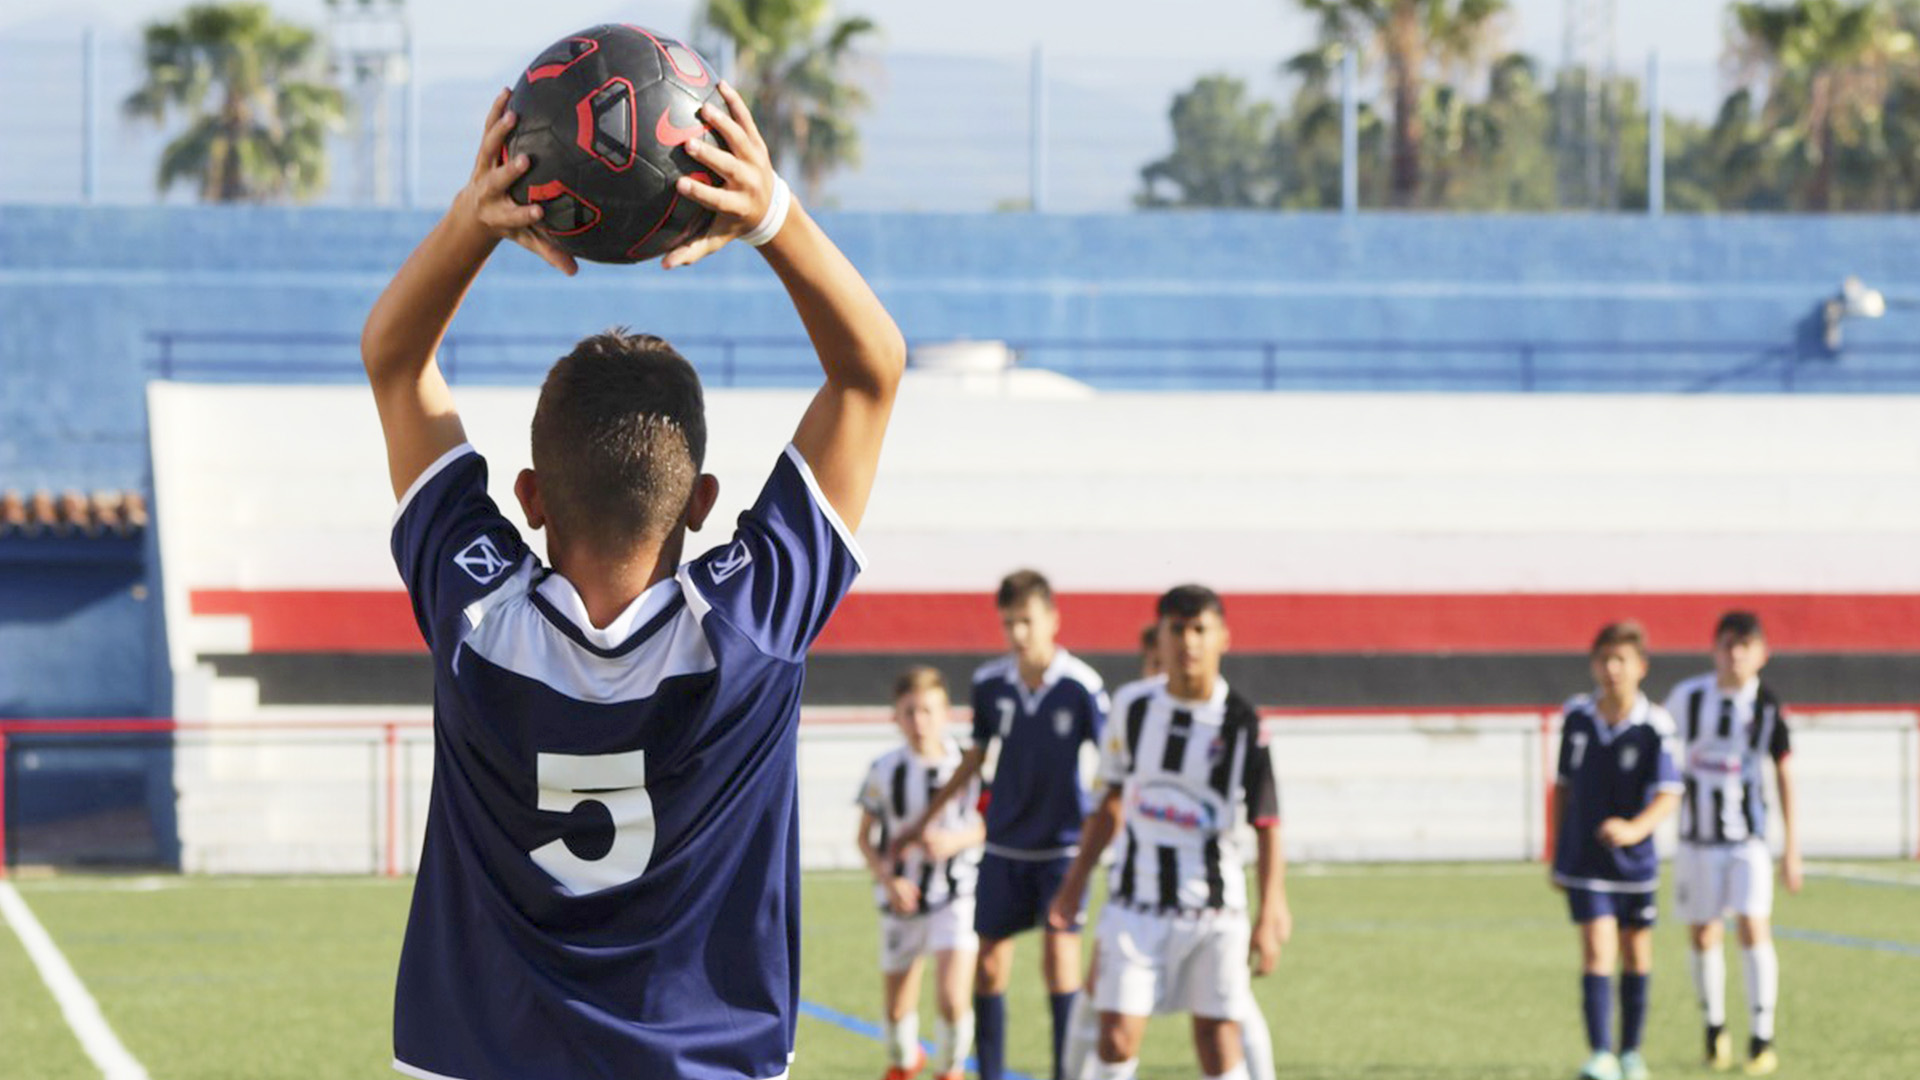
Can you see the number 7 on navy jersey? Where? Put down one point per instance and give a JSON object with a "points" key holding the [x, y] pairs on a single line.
{"points": [[615, 781]]}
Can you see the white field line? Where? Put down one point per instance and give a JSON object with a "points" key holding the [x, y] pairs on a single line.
{"points": [[82, 1013]]}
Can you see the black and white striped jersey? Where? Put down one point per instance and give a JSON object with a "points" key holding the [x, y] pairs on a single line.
{"points": [[899, 785], [1186, 769], [1727, 737]]}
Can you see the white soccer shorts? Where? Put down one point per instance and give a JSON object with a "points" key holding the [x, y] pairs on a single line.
{"points": [[1153, 963], [906, 938], [1710, 880]]}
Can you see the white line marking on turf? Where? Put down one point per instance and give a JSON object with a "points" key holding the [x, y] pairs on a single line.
{"points": [[82, 1013]]}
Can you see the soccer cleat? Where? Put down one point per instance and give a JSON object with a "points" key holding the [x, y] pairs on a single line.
{"points": [[907, 1071], [1633, 1066], [1601, 1066], [1761, 1060], [1719, 1049]]}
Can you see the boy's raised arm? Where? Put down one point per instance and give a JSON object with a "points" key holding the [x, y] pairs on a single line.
{"points": [[407, 322], [860, 348]]}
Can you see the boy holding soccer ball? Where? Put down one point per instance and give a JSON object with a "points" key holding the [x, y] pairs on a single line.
{"points": [[1618, 779], [610, 881]]}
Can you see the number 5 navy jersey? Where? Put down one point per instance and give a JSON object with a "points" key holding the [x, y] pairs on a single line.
{"points": [[610, 880]]}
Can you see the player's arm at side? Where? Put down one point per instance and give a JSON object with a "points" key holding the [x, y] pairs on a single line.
{"points": [[1791, 872], [406, 324], [971, 761], [1096, 833], [903, 895], [1273, 924]]}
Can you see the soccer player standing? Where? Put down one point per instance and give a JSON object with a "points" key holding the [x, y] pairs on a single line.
{"points": [[610, 881], [1041, 704], [1732, 725], [1183, 753], [1617, 781], [925, 897]]}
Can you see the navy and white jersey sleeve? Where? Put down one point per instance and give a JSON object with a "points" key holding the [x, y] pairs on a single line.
{"points": [[791, 561], [1574, 728], [451, 542], [986, 720]]}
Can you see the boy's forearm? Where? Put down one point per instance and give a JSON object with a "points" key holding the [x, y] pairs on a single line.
{"points": [[860, 348], [412, 315], [1663, 805], [1270, 861], [1095, 834]]}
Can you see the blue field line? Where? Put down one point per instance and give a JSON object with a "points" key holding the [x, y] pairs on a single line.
{"points": [[1847, 941], [872, 1031]]}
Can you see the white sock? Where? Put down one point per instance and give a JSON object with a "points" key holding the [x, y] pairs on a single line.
{"points": [[1256, 1042], [1710, 981], [1763, 987], [1238, 1072], [903, 1038], [1083, 1034], [1115, 1070], [952, 1042]]}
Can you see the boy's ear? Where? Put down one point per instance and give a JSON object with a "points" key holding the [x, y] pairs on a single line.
{"points": [[706, 492], [526, 488]]}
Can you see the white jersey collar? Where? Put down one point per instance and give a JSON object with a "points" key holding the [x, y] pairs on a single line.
{"points": [[560, 593]]}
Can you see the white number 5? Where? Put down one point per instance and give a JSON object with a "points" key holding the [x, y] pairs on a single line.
{"points": [[615, 781]]}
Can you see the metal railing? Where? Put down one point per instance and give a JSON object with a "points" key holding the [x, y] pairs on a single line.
{"points": [[1489, 365]]}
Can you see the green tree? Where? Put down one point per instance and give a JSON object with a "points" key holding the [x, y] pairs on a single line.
{"points": [[257, 105], [1420, 42], [1825, 68], [1220, 150], [793, 67], [1306, 151]]}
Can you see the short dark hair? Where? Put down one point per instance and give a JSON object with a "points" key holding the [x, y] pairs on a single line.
{"points": [[1624, 632], [619, 436], [1189, 602], [1741, 624], [917, 678], [1023, 585]]}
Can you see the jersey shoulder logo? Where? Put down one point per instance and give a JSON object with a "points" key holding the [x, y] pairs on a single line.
{"points": [[731, 561], [481, 560]]}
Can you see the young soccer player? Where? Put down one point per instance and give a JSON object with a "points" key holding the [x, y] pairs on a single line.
{"points": [[926, 897], [609, 885], [1617, 781], [1732, 724], [1256, 1040], [1041, 704], [1183, 754]]}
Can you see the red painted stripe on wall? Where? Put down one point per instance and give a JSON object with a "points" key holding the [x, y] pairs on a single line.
{"points": [[382, 621]]}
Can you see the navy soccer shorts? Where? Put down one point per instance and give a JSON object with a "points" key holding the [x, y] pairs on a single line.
{"points": [[1633, 910], [1014, 894]]}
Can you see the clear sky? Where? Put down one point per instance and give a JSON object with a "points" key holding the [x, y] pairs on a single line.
{"points": [[1686, 32]]}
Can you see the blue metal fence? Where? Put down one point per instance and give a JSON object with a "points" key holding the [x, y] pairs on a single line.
{"points": [[1273, 364]]}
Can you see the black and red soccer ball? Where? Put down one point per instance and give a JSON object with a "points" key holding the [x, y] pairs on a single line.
{"points": [[604, 117]]}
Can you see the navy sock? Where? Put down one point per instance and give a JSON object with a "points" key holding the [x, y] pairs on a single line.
{"points": [[1633, 1009], [1062, 1012], [1596, 1003], [990, 1034]]}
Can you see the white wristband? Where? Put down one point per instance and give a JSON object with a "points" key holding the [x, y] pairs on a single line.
{"points": [[776, 215]]}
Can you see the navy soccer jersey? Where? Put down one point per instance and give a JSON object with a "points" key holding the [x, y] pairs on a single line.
{"points": [[1037, 800], [1608, 771], [610, 881]]}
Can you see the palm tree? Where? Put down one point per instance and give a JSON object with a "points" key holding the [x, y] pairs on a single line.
{"points": [[1420, 41], [1825, 67], [792, 69], [257, 115]]}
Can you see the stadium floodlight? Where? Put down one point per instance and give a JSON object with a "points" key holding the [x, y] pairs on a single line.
{"points": [[1854, 301]]}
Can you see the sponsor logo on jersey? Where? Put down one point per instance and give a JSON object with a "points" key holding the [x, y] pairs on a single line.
{"points": [[1170, 805], [731, 561], [481, 560], [1703, 760]]}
